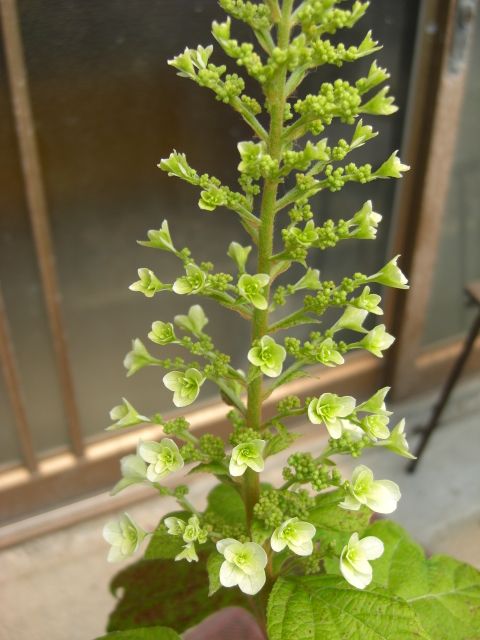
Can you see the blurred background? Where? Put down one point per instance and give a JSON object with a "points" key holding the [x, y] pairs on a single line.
{"points": [[88, 107]]}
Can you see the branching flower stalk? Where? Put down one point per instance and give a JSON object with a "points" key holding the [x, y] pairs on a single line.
{"points": [[279, 531]]}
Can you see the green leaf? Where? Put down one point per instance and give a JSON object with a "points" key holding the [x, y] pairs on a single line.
{"points": [[444, 593], [321, 607], [147, 633], [214, 562], [162, 592], [217, 468], [225, 502], [163, 546], [334, 524], [279, 442]]}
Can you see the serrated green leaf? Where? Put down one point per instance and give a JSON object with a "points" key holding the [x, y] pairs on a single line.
{"points": [[163, 592], [444, 593], [217, 468], [214, 562], [335, 524], [147, 633], [225, 502], [321, 607]]}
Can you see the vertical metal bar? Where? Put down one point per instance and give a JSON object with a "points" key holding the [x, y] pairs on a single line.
{"points": [[37, 206], [12, 382]]}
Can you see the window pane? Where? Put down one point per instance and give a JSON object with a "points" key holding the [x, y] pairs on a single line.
{"points": [[108, 108], [459, 256], [22, 294]]}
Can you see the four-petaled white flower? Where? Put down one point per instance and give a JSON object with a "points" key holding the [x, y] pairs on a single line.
{"points": [[247, 454], [354, 560], [380, 496], [244, 565], [330, 409], [162, 457], [185, 385], [296, 535], [268, 355], [124, 535]]}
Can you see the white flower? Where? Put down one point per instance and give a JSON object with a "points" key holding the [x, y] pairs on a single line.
{"points": [[329, 409], [175, 526], [295, 534], [354, 559], [134, 471], [247, 454], [163, 458], [380, 496], [244, 565], [124, 535]]}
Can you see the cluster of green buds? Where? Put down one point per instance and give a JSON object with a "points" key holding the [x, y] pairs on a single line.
{"points": [[277, 530]]}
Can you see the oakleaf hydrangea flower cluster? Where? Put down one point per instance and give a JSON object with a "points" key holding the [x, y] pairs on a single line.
{"points": [[252, 534]]}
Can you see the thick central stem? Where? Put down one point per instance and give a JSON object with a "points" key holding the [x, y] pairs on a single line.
{"points": [[276, 101]]}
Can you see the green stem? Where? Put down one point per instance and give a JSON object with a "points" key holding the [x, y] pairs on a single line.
{"points": [[275, 94]]}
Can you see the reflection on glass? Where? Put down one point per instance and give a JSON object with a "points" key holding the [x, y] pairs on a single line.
{"points": [[23, 297], [459, 256], [108, 108]]}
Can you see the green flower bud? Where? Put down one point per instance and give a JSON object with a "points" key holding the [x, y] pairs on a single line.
{"points": [[353, 319], [397, 442], [381, 105], [239, 255], [163, 458], [329, 409], [137, 358], [194, 321], [376, 404], [377, 340], [251, 288], [124, 536], [391, 168], [162, 333], [125, 415], [366, 221], [390, 275], [134, 471], [310, 280], [269, 356], [148, 284], [189, 553], [247, 454], [380, 496], [363, 133], [185, 385], [193, 282], [176, 165], [159, 239]]}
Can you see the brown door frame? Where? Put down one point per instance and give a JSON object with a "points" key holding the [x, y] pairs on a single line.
{"points": [[436, 99]]}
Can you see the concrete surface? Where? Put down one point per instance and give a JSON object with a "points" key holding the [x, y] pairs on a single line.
{"points": [[56, 587]]}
